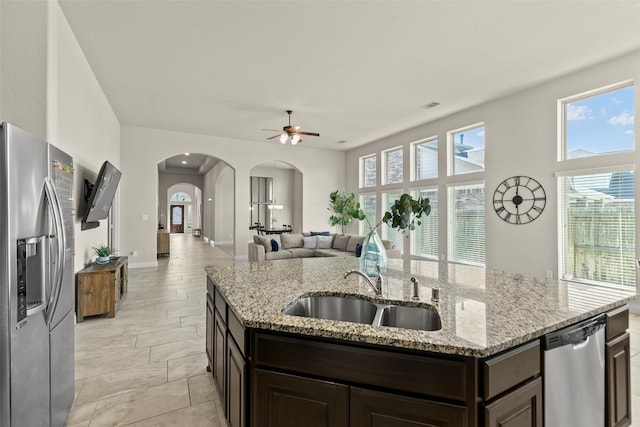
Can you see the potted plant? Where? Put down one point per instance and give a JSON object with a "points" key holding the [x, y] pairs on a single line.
{"points": [[104, 254], [345, 208], [404, 214]]}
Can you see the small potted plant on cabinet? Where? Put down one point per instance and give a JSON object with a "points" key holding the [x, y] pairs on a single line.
{"points": [[104, 254]]}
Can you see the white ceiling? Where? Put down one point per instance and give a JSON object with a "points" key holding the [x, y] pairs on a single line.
{"points": [[353, 71]]}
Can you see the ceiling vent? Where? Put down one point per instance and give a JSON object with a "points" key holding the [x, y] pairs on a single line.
{"points": [[431, 105]]}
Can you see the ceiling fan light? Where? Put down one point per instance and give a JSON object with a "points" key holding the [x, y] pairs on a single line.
{"points": [[283, 138], [295, 139]]}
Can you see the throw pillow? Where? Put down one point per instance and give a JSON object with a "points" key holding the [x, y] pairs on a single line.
{"points": [[324, 242], [261, 240], [310, 242], [274, 246], [353, 242], [321, 233], [290, 240], [358, 250], [341, 241]]}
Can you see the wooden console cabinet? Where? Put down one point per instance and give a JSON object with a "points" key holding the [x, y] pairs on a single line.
{"points": [[164, 243], [101, 287]]}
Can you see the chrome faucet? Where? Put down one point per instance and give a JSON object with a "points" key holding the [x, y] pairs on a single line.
{"points": [[377, 287]]}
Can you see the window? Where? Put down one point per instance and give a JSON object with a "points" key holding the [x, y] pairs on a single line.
{"points": [[424, 239], [368, 205], [597, 228], [368, 171], [389, 233], [467, 150], [180, 196], [466, 224], [599, 123], [393, 166], [425, 155]]}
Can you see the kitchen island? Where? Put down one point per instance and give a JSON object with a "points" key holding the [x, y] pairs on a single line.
{"points": [[483, 367]]}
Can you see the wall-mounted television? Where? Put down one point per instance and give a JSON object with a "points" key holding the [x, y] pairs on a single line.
{"points": [[99, 195]]}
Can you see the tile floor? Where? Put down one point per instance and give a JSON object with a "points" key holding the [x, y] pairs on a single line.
{"points": [[147, 366]]}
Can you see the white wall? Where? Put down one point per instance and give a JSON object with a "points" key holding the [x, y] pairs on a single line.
{"points": [[48, 89], [87, 128], [143, 148], [521, 139], [222, 204], [24, 27]]}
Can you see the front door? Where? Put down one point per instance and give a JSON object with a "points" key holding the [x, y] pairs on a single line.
{"points": [[177, 219]]}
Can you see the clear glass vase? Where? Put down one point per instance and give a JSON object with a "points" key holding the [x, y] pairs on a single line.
{"points": [[373, 254]]}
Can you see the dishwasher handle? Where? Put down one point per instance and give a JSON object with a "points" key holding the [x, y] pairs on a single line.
{"points": [[575, 334]]}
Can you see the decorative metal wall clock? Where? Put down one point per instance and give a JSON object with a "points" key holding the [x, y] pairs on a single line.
{"points": [[519, 199]]}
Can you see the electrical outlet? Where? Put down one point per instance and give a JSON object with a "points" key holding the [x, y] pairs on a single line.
{"points": [[549, 274], [144, 217], [134, 253]]}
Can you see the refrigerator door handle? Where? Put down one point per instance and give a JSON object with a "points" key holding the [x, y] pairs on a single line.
{"points": [[56, 213]]}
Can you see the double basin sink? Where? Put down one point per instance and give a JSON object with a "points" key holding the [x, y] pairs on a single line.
{"points": [[359, 310]]}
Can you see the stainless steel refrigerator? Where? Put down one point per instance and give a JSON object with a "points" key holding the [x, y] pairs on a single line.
{"points": [[36, 281]]}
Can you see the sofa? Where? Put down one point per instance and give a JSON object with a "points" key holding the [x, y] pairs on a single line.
{"points": [[306, 245]]}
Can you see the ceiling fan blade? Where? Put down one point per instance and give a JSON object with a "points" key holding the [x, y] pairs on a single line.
{"points": [[275, 136], [272, 130], [308, 133]]}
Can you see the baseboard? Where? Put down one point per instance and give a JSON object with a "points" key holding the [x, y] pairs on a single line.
{"points": [[224, 243], [206, 239], [143, 264]]}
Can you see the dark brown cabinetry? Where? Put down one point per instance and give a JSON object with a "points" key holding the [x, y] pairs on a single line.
{"points": [[282, 400], [209, 336], [370, 408], [519, 408], [617, 369], [236, 385], [227, 357]]}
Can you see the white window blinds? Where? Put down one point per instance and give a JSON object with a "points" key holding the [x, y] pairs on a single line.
{"points": [[597, 227], [424, 239], [467, 224]]}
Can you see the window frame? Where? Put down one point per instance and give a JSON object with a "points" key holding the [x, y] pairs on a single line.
{"points": [[562, 221], [451, 217], [362, 161], [383, 169], [451, 158], [562, 118], [413, 155]]}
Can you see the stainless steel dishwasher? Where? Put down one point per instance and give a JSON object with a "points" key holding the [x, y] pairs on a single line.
{"points": [[574, 375]]}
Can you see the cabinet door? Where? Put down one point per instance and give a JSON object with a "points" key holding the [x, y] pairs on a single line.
{"points": [[236, 385], [209, 334], [219, 352], [618, 383], [376, 409], [520, 408], [281, 400]]}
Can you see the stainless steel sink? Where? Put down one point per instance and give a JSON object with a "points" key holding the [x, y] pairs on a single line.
{"points": [[358, 310], [410, 318], [347, 309]]}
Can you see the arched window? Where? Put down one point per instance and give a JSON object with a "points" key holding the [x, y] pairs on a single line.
{"points": [[180, 196]]}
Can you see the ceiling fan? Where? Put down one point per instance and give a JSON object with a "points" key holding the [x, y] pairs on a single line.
{"points": [[291, 133]]}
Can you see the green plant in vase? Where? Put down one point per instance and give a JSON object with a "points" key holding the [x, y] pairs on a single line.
{"points": [[345, 208], [103, 253], [405, 213]]}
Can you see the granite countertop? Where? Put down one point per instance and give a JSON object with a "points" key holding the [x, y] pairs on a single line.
{"points": [[482, 312]]}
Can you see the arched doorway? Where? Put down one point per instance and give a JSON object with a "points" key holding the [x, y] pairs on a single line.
{"points": [[196, 196]]}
